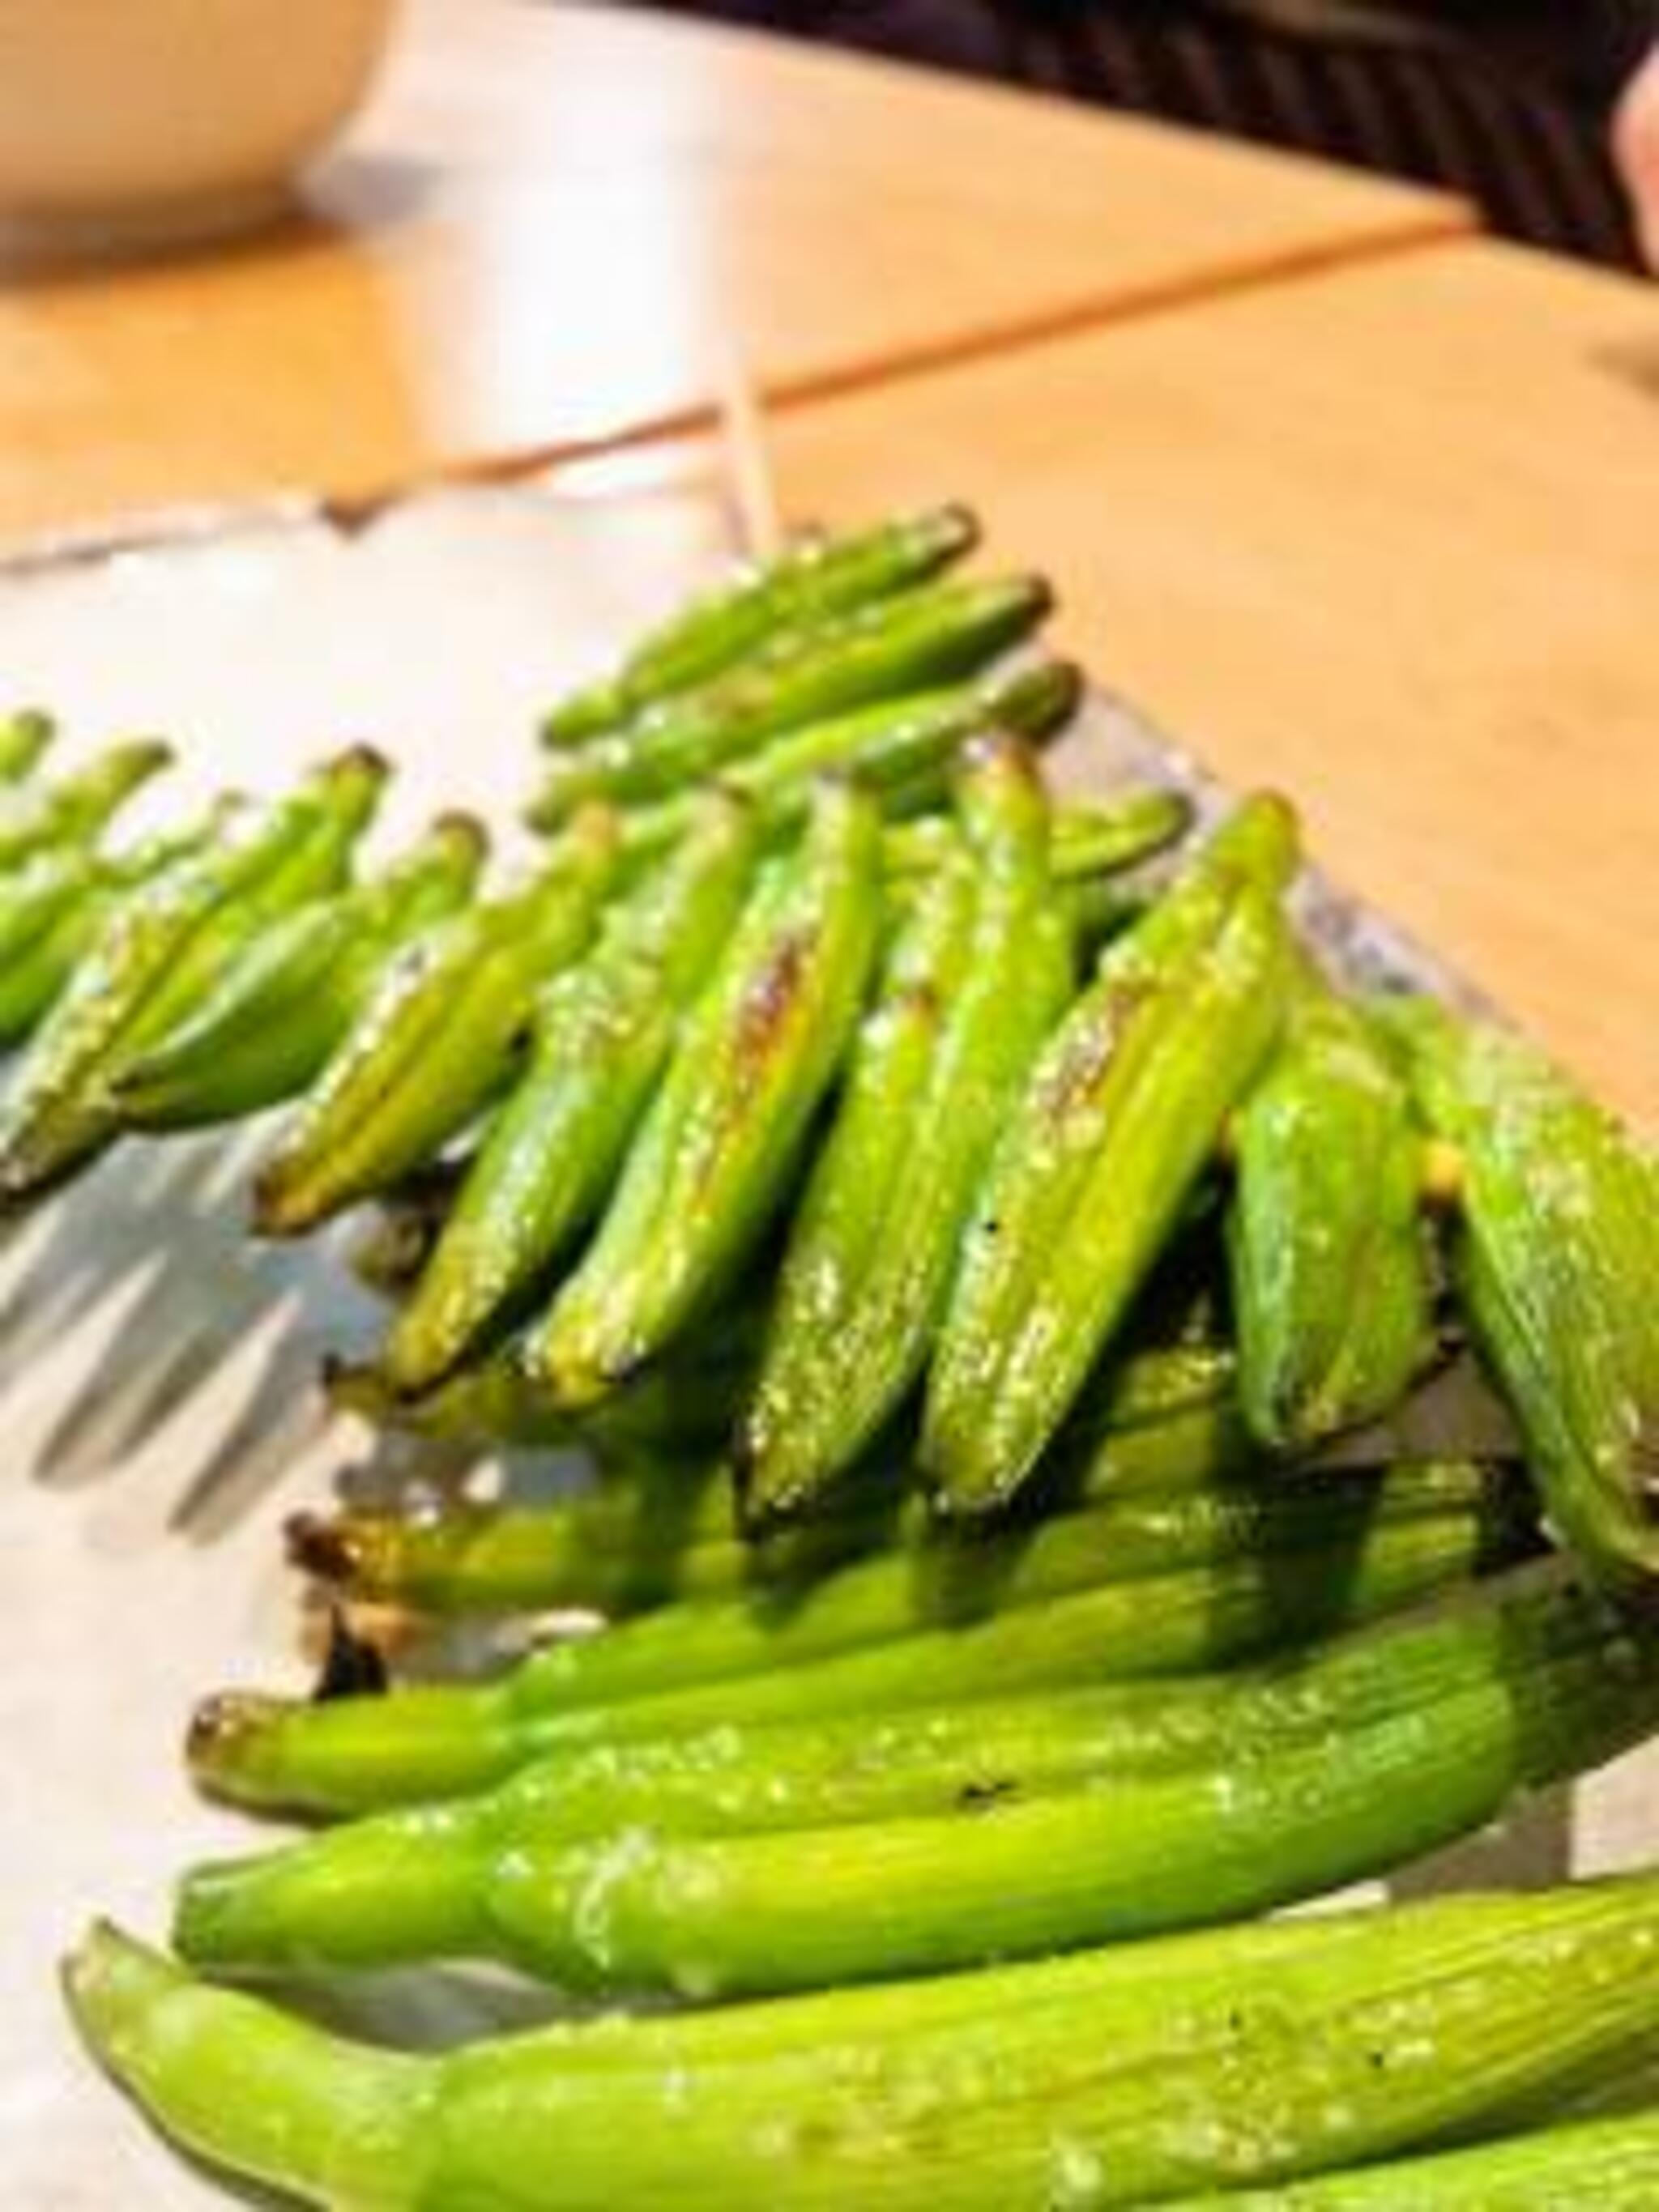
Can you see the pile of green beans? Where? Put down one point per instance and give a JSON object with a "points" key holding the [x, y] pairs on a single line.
{"points": [[984, 1281]]}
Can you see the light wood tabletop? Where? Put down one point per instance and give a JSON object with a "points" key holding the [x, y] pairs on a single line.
{"points": [[556, 224], [1388, 538]]}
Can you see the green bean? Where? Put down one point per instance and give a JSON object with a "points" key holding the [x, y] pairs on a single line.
{"points": [[269, 1027], [24, 738], [899, 745], [603, 1032], [1086, 842], [1329, 1281], [1103, 835], [1612, 2164], [925, 637], [1120, 1117], [52, 907], [976, 981], [1557, 1262], [156, 951], [773, 1873], [439, 1034], [706, 1171], [1167, 1423], [684, 1401], [916, 1585], [1137, 2075], [390, 1879], [78, 807], [764, 606], [1098, 910], [440, 1740], [37, 900]]}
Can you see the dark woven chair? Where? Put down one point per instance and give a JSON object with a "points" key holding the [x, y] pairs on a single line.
{"points": [[1505, 101]]}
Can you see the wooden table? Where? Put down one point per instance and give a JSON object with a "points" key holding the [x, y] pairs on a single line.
{"points": [[1389, 539], [1348, 502], [555, 224]]}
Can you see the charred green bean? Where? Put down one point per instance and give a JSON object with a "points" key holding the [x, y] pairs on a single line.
{"points": [[1119, 1119], [711, 1161], [603, 1032]]}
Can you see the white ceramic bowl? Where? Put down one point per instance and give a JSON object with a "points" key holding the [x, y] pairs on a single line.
{"points": [[127, 123]]}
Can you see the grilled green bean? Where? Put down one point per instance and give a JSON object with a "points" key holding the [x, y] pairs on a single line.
{"points": [[904, 746], [40, 901], [684, 1402], [357, 1753], [1242, 2056], [78, 807], [1096, 839], [1329, 1281], [52, 907], [157, 951], [977, 981], [725, 1131], [1610, 2163], [1120, 1117], [24, 738], [1168, 1423], [1557, 1259], [440, 1033], [603, 1032], [389, 1880], [923, 1868], [766, 606], [269, 1027], [926, 637]]}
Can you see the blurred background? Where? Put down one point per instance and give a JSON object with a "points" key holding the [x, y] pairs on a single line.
{"points": [[1505, 101]]}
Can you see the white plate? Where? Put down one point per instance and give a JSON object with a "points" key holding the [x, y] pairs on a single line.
{"points": [[155, 1367]]}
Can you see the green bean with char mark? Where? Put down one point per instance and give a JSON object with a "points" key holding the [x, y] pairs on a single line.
{"points": [[711, 1162], [977, 980], [1117, 1122], [604, 1030]]}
